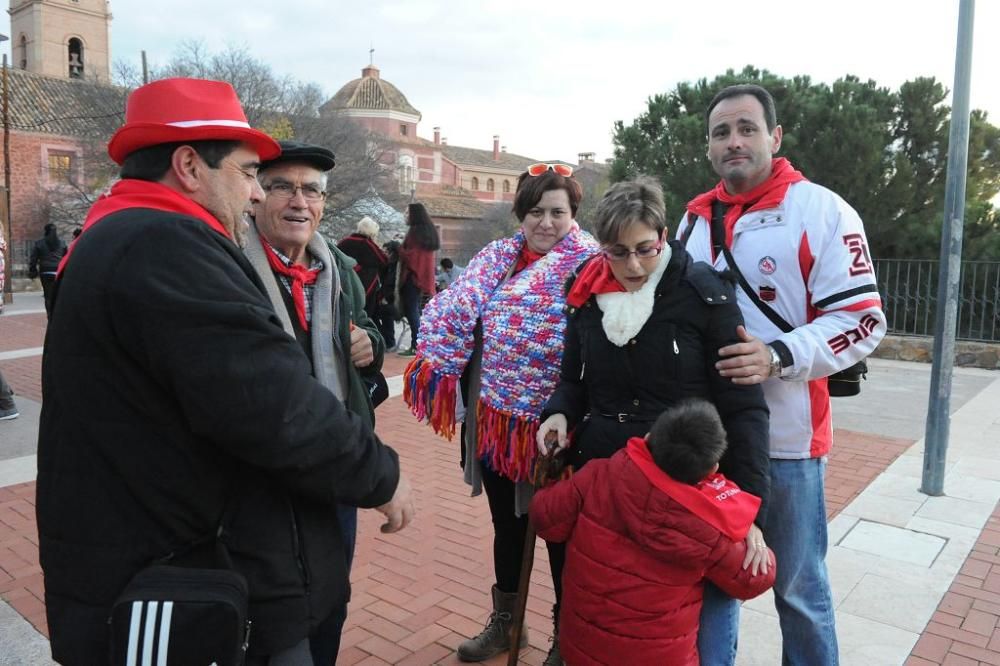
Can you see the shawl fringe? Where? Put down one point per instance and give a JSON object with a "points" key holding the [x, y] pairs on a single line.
{"points": [[431, 396], [506, 442]]}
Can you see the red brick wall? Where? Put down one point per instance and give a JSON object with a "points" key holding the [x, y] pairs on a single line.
{"points": [[28, 180]]}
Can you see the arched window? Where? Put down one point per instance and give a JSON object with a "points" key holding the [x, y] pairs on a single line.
{"points": [[490, 186], [22, 61], [75, 58], [475, 183], [506, 186]]}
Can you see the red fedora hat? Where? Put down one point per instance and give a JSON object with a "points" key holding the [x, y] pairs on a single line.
{"points": [[179, 110]]}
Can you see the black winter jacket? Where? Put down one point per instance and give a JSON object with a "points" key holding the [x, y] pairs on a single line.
{"points": [[672, 358], [174, 399], [45, 259]]}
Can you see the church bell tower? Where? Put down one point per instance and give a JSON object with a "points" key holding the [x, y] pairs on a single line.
{"points": [[62, 38]]}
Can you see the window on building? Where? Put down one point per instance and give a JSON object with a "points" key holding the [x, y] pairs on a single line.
{"points": [[402, 129], [506, 186], [490, 186], [475, 183], [75, 58], [405, 174], [22, 60], [61, 167]]}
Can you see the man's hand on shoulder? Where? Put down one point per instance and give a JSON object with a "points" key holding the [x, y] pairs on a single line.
{"points": [[747, 362], [399, 511]]}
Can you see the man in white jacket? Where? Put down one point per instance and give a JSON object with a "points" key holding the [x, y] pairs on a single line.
{"points": [[803, 253]]}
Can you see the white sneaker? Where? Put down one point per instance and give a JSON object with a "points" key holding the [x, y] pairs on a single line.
{"points": [[8, 414]]}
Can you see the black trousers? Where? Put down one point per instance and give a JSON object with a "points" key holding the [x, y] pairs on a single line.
{"points": [[509, 534]]}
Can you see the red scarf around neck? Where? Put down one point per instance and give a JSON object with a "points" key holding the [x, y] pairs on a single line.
{"points": [[300, 276], [768, 194], [131, 193], [594, 278], [526, 258]]}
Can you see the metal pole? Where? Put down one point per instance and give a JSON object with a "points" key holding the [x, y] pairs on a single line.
{"points": [[939, 399], [8, 227], [145, 69]]}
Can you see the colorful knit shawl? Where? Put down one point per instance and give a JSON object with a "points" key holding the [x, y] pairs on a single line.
{"points": [[523, 324]]}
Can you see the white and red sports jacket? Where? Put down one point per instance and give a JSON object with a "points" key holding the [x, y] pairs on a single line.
{"points": [[808, 259]]}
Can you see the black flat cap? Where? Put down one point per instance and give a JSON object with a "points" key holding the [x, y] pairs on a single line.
{"points": [[296, 151]]}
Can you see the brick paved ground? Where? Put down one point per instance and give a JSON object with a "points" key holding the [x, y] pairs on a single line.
{"points": [[419, 593], [965, 629]]}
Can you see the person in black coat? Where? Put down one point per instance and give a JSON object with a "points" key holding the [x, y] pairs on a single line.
{"points": [[361, 247], [176, 410], [46, 254], [645, 324]]}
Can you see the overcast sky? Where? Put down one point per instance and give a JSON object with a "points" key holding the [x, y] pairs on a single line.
{"points": [[552, 77]]}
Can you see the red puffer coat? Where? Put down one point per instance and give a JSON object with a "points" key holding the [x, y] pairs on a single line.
{"points": [[640, 545]]}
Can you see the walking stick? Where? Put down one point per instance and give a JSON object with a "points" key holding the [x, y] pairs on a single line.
{"points": [[547, 470]]}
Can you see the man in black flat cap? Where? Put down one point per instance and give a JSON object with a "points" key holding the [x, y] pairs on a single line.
{"points": [[321, 303]]}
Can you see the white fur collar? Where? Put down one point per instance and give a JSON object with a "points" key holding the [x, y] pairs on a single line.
{"points": [[626, 312]]}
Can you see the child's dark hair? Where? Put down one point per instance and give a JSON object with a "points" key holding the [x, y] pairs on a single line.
{"points": [[687, 440]]}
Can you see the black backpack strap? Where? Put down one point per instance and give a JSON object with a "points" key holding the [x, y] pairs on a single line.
{"points": [[692, 218], [719, 242]]}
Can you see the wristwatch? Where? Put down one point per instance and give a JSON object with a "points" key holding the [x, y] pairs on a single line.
{"points": [[775, 369]]}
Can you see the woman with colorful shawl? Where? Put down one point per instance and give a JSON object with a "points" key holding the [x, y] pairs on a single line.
{"points": [[496, 334]]}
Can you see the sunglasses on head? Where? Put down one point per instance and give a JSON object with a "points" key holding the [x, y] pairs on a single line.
{"points": [[563, 170]]}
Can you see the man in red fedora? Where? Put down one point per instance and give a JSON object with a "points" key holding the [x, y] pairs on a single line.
{"points": [[179, 420]]}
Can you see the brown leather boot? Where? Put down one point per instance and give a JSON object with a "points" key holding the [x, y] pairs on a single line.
{"points": [[495, 636]]}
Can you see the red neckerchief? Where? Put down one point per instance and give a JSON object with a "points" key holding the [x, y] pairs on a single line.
{"points": [[131, 193], [716, 500], [594, 278], [526, 258], [300, 276], [768, 194]]}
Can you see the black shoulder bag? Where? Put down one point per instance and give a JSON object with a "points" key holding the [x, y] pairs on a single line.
{"points": [[179, 616], [842, 384]]}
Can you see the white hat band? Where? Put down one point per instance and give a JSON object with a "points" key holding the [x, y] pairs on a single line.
{"points": [[214, 123]]}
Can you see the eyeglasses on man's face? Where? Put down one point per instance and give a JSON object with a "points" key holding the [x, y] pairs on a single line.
{"points": [[283, 190], [563, 170], [620, 254]]}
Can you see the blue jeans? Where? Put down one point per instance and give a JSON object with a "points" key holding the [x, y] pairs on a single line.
{"points": [[718, 627], [796, 532]]}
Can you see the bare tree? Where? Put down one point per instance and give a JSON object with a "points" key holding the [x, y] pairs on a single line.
{"points": [[263, 93]]}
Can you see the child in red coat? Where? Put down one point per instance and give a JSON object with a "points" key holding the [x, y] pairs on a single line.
{"points": [[644, 529]]}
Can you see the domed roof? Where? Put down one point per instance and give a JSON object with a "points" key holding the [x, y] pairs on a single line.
{"points": [[369, 92]]}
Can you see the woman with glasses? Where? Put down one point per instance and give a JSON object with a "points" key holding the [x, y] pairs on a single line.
{"points": [[493, 342], [416, 268], [644, 331]]}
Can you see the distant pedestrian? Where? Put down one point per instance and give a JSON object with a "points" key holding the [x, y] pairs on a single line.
{"points": [[46, 254], [8, 408], [388, 313], [361, 247], [448, 273], [3, 264], [416, 275]]}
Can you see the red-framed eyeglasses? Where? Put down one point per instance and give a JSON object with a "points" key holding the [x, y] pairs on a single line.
{"points": [[538, 169]]}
